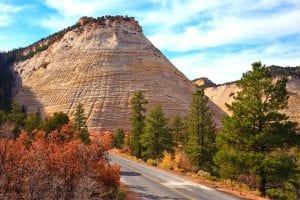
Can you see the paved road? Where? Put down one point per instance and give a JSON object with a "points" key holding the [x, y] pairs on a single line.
{"points": [[152, 183]]}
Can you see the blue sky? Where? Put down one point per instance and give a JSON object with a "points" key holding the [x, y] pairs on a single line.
{"points": [[218, 39]]}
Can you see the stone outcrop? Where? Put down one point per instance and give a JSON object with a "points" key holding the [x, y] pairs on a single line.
{"points": [[101, 63]]}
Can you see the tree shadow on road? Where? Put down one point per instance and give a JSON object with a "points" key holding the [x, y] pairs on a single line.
{"points": [[125, 173]]}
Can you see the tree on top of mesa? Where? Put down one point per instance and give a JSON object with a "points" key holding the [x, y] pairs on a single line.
{"points": [[256, 137]]}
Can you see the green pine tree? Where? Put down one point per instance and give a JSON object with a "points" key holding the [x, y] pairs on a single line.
{"points": [[55, 122], [200, 146], [80, 124], [118, 138], [33, 121], [177, 128], [185, 131], [256, 137], [16, 116], [157, 137], [137, 118]]}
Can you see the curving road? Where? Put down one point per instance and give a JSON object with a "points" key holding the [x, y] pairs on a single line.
{"points": [[152, 183]]}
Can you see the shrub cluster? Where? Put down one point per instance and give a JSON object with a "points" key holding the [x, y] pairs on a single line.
{"points": [[55, 166]]}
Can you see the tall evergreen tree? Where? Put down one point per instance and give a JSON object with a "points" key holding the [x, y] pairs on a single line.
{"points": [[177, 128], [256, 137], [137, 118], [80, 124], [200, 146], [16, 116], [118, 138], [185, 130], [157, 137]]}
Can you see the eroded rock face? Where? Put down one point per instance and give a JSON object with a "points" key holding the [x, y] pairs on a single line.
{"points": [[101, 65], [203, 82], [224, 94]]}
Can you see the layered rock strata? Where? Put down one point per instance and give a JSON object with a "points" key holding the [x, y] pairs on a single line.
{"points": [[101, 63]]}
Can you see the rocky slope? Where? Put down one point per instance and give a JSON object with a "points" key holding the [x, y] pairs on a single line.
{"points": [[100, 63], [224, 93]]}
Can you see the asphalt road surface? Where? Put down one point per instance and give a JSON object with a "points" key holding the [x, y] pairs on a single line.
{"points": [[152, 183]]}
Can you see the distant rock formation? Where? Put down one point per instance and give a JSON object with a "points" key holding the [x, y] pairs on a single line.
{"points": [[224, 93], [284, 71], [203, 82], [101, 63]]}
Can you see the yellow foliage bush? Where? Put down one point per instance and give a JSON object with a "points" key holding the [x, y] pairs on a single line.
{"points": [[181, 162], [152, 162], [167, 161]]}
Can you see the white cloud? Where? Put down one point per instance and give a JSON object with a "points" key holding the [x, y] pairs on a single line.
{"points": [[68, 11], [5, 20], [219, 70], [80, 7], [203, 23], [225, 67], [6, 13], [173, 12], [54, 23], [8, 8], [230, 30]]}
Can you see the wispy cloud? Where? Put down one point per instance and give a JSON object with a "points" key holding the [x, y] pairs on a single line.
{"points": [[54, 23], [6, 13], [171, 13], [68, 11], [225, 66], [70, 8], [231, 28]]}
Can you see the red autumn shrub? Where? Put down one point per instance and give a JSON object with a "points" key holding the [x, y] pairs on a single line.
{"points": [[103, 139], [58, 166]]}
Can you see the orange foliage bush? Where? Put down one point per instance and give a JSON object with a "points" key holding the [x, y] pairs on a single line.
{"points": [[58, 166], [181, 162], [167, 161], [103, 139]]}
